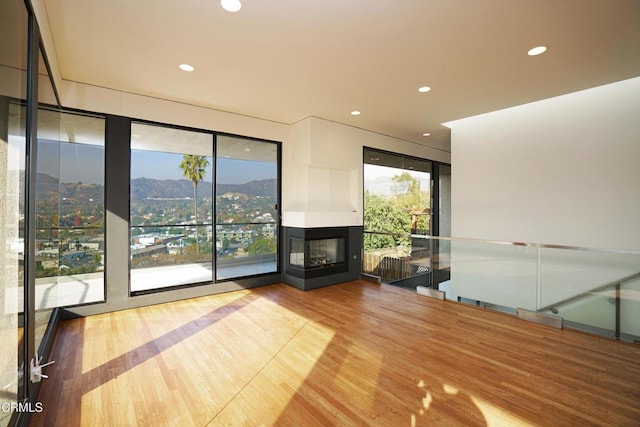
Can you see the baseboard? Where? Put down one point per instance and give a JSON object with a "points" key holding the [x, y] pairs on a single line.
{"points": [[370, 278], [542, 318], [431, 293]]}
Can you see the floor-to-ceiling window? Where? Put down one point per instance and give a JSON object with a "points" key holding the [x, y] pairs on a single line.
{"points": [[24, 86], [69, 250], [444, 184], [441, 259], [171, 204], [46, 203], [174, 240], [246, 207], [399, 215]]}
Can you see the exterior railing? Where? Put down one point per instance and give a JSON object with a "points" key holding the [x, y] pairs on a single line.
{"points": [[165, 256], [394, 256]]}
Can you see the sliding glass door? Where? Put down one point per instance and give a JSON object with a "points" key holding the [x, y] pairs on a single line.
{"points": [[246, 207], [69, 247], [397, 215], [171, 207], [172, 199]]}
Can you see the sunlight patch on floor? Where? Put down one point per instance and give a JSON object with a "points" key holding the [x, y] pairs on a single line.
{"points": [[496, 416], [493, 415], [150, 329], [270, 392]]}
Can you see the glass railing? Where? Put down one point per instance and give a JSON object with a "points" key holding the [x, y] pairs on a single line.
{"points": [[596, 290], [69, 251], [164, 256], [389, 256], [401, 259], [162, 245], [69, 266], [246, 249]]}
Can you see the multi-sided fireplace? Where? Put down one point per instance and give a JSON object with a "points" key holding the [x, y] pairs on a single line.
{"points": [[311, 255], [317, 257]]}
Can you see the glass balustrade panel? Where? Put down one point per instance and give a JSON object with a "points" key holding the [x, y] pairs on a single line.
{"points": [[630, 310], [500, 274]]}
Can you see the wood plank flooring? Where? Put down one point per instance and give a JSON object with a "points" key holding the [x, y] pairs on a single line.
{"points": [[351, 354]]}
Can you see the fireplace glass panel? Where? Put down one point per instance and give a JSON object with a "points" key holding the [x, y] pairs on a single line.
{"points": [[317, 252], [325, 252], [296, 253]]}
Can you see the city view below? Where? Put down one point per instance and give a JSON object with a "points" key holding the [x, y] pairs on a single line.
{"points": [[178, 217], [197, 225], [163, 229]]}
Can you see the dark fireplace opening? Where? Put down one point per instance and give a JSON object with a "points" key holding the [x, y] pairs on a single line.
{"points": [[317, 252]]}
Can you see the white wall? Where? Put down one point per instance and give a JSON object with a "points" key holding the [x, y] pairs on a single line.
{"points": [[13, 82], [102, 100], [562, 171], [565, 170]]}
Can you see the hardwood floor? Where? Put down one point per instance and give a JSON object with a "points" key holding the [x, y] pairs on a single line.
{"points": [[351, 354]]}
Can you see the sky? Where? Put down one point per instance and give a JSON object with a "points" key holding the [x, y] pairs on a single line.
{"points": [[81, 162], [72, 162], [158, 165], [378, 179]]}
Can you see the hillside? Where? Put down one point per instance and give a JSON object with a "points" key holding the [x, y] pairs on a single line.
{"points": [[145, 188]]}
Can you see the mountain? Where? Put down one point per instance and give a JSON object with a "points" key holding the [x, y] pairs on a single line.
{"points": [[143, 188], [48, 188], [263, 187]]}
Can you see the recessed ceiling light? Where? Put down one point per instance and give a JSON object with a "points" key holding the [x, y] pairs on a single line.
{"points": [[186, 67], [231, 5], [424, 89], [537, 50], [355, 113], [426, 134]]}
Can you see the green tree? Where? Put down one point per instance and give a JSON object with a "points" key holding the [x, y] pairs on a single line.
{"points": [[409, 197], [407, 191], [262, 246], [404, 184], [393, 214], [194, 168], [384, 216]]}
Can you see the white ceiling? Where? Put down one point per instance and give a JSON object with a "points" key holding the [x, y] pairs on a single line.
{"points": [[285, 60]]}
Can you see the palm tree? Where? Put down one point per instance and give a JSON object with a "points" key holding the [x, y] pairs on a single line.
{"points": [[194, 168]]}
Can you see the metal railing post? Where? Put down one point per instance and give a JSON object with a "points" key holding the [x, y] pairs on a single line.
{"points": [[617, 314]]}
